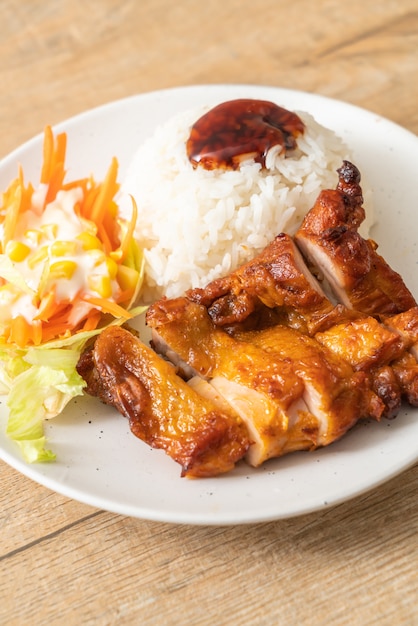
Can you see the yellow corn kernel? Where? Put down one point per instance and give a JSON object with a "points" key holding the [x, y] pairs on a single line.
{"points": [[17, 251], [97, 256], [112, 267], [38, 256], [63, 248], [127, 277], [100, 284], [34, 236], [89, 241], [62, 269], [116, 255], [50, 230]]}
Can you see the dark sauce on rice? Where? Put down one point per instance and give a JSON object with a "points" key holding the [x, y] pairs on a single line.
{"points": [[241, 129]]}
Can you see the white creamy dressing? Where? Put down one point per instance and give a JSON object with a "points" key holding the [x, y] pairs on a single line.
{"points": [[38, 229], [12, 305], [59, 212]]}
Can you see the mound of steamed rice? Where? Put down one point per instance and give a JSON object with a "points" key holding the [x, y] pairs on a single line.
{"points": [[196, 225]]}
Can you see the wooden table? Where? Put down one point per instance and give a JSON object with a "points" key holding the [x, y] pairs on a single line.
{"points": [[63, 562]]}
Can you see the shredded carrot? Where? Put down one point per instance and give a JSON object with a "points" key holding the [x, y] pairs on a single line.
{"points": [[62, 316], [20, 331], [37, 332], [48, 155], [98, 207], [107, 306], [126, 295], [91, 193], [54, 155], [124, 247], [50, 307], [53, 171], [53, 331], [107, 191], [113, 234], [104, 237], [93, 320], [81, 182], [12, 216], [26, 198]]}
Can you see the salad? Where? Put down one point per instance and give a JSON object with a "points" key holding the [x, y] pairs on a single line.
{"points": [[69, 266]]}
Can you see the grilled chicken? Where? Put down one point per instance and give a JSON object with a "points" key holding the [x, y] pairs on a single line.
{"points": [[333, 391], [274, 287], [363, 281], [266, 362], [291, 392], [371, 347], [406, 324], [162, 409], [364, 343], [266, 394], [329, 238], [406, 373]]}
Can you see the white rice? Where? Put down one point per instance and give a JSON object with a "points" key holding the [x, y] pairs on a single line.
{"points": [[196, 225]]}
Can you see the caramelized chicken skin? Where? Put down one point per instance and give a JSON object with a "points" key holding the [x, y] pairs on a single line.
{"points": [[334, 392], [274, 287], [162, 409], [406, 324], [266, 393], [369, 346], [291, 392], [329, 238], [364, 282], [364, 343]]}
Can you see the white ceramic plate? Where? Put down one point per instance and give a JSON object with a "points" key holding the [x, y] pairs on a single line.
{"points": [[99, 462]]}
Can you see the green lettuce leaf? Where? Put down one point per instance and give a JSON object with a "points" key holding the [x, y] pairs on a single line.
{"points": [[47, 381], [40, 381]]}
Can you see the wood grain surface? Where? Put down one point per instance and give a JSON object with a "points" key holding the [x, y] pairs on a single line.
{"points": [[65, 563]]}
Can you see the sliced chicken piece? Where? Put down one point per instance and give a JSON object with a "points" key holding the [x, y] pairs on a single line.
{"points": [[334, 392], [278, 380], [388, 350], [406, 324], [364, 343], [386, 386], [266, 393], [273, 433], [406, 372], [162, 409], [275, 287], [363, 281], [370, 346], [329, 239]]}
